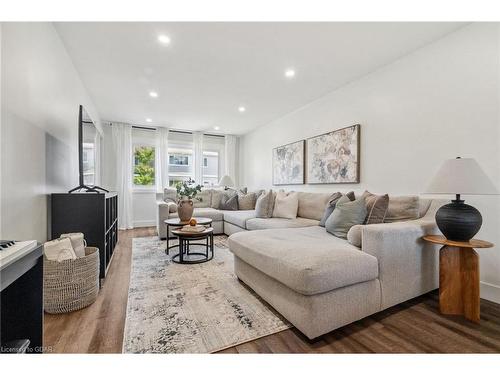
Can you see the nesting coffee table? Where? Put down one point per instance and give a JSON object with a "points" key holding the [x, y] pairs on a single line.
{"points": [[186, 240]]}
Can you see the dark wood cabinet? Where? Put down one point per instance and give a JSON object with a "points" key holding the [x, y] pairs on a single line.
{"points": [[93, 214]]}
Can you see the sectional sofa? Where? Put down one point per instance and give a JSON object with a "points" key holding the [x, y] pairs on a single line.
{"points": [[320, 282]]}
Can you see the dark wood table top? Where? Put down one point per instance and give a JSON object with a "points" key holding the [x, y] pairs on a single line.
{"points": [[477, 244]]}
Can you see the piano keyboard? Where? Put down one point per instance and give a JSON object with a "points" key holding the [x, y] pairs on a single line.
{"points": [[10, 250]]}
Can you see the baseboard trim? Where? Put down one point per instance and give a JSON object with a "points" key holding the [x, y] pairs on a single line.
{"points": [[491, 292], [144, 223]]}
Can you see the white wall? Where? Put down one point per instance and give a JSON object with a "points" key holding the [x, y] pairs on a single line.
{"points": [[438, 102], [41, 93]]}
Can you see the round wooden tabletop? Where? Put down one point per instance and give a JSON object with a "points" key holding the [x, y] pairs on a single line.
{"points": [[477, 244], [177, 222], [185, 233]]}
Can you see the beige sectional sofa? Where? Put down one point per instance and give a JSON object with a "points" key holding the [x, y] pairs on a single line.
{"points": [[320, 282]]}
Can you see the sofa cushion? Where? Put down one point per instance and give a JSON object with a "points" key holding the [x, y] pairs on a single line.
{"points": [[206, 199], [216, 198], [276, 222], [238, 218], [312, 205], [208, 212], [286, 205], [307, 260], [402, 208]]}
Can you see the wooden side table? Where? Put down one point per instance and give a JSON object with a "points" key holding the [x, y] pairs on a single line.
{"points": [[459, 276]]}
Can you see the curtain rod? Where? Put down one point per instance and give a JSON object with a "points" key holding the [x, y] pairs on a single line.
{"points": [[175, 131]]}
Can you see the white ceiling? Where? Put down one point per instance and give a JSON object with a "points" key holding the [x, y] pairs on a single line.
{"points": [[210, 69]]}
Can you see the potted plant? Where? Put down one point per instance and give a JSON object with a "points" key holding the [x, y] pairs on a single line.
{"points": [[187, 191]]}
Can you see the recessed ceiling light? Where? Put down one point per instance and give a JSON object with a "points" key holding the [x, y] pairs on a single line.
{"points": [[149, 120], [153, 94], [216, 127], [164, 39], [289, 73], [241, 109]]}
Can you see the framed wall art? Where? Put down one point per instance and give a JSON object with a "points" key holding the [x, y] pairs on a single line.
{"points": [[288, 164]]}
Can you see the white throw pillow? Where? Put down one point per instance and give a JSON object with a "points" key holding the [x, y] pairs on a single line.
{"points": [[286, 205], [77, 242], [59, 250]]}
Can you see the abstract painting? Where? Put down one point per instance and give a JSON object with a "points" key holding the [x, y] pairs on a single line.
{"points": [[333, 158], [288, 164]]}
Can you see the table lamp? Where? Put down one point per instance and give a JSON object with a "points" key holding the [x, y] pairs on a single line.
{"points": [[456, 220], [226, 181]]}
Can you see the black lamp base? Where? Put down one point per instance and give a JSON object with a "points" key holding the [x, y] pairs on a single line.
{"points": [[458, 221]]}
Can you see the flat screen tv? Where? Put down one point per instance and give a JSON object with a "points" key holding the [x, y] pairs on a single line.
{"points": [[88, 155]]}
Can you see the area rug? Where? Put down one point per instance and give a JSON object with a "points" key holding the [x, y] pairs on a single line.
{"points": [[191, 308]]}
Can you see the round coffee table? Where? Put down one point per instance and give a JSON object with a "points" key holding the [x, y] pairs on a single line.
{"points": [[176, 223], [185, 239]]}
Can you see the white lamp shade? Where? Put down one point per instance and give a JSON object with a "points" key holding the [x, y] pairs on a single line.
{"points": [[226, 181], [461, 176]]}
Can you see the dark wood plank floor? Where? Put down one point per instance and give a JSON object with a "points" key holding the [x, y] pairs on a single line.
{"points": [[412, 327]]}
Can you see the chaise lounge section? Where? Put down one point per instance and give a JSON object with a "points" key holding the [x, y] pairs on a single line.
{"points": [[320, 282]]}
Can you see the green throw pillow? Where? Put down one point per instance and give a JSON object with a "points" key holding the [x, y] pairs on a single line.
{"points": [[346, 214]]}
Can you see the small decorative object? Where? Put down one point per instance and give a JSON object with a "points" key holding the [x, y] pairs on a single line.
{"points": [[227, 182], [187, 191], [333, 158], [459, 221], [288, 164], [193, 222]]}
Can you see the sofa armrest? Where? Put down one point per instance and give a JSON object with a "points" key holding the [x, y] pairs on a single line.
{"points": [[408, 266], [162, 215]]}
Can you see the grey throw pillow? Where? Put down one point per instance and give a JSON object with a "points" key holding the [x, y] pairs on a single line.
{"points": [[265, 205], [331, 205], [229, 203], [346, 214]]}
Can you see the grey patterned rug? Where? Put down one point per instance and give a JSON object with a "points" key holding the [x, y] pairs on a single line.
{"points": [[196, 308]]}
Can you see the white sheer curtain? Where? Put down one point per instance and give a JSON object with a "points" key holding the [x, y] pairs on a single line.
{"points": [[231, 157], [122, 144], [198, 157], [161, 159]]}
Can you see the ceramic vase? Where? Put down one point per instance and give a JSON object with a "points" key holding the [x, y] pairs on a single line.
{"points": [[185, 209]]}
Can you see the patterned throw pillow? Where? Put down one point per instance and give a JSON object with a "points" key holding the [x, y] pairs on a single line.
{"points": [[265, 205], [331, 205], [229, 203], [246, 201], [376, 207]]}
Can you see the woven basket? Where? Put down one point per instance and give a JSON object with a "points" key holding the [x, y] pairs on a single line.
{"points": [[71, 284]]}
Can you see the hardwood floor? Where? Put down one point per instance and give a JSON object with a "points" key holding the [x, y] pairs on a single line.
{"points": [[411, 327]]}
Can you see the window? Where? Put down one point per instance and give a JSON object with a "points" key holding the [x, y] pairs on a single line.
{"points": [[180, 163], [210, 168], [144, 165], [88, 164]]}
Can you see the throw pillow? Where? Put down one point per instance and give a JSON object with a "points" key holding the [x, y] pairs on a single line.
{"points": [[376, 207], [346, 214], [216, 197], [402, 209], [286, 205], [331, 205], [229, 203], [246, 201], [264, 204]]}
